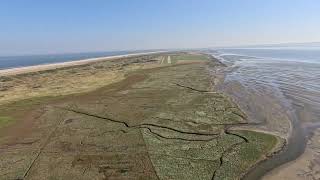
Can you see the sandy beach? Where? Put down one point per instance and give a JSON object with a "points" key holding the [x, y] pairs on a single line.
{"points": [[42, 67]]}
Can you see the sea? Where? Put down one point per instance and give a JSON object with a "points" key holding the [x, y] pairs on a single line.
{"points": [[292, 74], [7, 62]]}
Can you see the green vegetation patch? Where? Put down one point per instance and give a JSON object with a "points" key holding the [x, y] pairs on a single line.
{"points": [[193, 57], [26, 104], [226, 156], [245, 155], [5, 120]]}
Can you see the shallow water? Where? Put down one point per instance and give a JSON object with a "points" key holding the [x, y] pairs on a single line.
{"points": [[293, 77], [297, 79]]}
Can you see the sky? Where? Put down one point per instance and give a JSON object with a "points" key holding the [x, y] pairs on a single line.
{"points": [[63, 26]]}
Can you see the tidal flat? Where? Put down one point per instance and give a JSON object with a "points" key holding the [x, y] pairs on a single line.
{"points": [[156, 116]]}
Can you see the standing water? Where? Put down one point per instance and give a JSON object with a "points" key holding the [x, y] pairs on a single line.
{"points": [[293, 75]]}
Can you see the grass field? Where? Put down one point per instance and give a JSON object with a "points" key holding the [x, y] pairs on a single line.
{"points": [[244, 156], [160, 120], [5, 120], [189, 57]]}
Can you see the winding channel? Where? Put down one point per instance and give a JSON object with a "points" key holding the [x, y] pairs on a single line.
{"points": [[285, 82]]}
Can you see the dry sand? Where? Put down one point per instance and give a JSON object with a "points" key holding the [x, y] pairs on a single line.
{"points": [[35, 68]]}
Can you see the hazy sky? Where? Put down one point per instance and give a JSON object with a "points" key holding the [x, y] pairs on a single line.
{"points": [[58, 26]]}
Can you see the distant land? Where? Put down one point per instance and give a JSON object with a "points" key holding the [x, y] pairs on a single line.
{"points": [[280, 45]]}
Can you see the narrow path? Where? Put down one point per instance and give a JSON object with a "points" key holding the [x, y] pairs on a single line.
{"points": [[169, 60], [161, 59], [40, 150]]}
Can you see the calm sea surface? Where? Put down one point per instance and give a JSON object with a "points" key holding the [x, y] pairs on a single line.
{"points": [[30, 60]]}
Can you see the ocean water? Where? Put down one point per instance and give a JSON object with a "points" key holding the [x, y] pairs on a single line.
{"points": [[7, 62]]}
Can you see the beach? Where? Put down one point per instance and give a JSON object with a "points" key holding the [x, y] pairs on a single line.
{"points": [[42, 67]]}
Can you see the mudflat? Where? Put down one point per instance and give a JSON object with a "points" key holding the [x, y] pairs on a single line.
{"points": [[153, 116]]}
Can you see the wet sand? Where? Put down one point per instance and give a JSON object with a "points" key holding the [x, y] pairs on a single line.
{"points": [[306, 166], [266, 114], [281, 102], [306, 142]]}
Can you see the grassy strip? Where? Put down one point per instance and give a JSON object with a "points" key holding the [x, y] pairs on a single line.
{"points": [[244, 156], [175, 58], [5, 120]]}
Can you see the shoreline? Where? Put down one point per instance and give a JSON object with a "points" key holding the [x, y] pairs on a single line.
{"points": [[282, 139], [285, 152], [252, 126], [49, 66]]}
